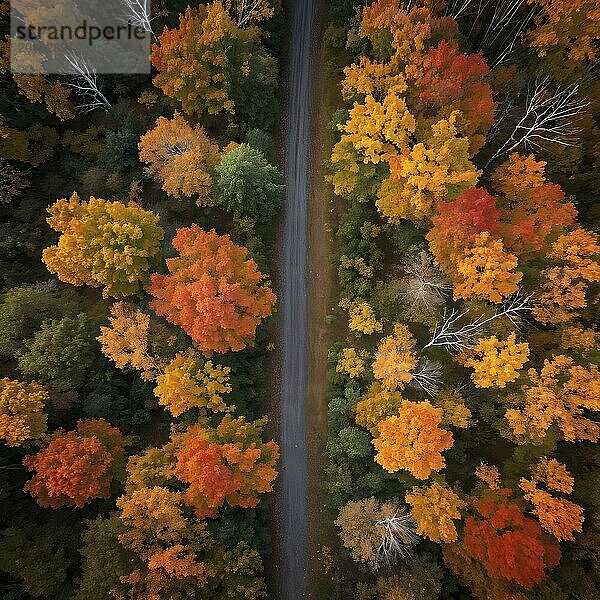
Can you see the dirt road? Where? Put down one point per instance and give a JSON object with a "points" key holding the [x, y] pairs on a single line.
{"points": [[293, 513]]}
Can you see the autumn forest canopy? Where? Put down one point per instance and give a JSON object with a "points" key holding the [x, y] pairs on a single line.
{"points": [[140, 264]]}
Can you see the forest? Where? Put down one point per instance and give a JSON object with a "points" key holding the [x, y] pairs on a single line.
{"points": [[135, 317], [140, 306], [461, 455]]}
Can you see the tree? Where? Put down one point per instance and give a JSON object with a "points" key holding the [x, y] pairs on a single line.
{"points": [[171, 547], [211, 65], [455, 81], [21, 412], [77, 466], [420, 579], [22, 312], [379, 131], [249, 11], [63, 352], [104, 559], [214, 292], [534, 211], [13, 183], [376, 405], [375, 532], [501, 537], [395, 359], [351, 362], [559, 395], [565, 285], [569, 28], [182, 158], [41, 555], [558, 516], [129, 341], [497, 362], [550, 117], [457, 224], [103, 244], [432, 171], [435, 508], [229, 463], [413, 440], [486, 271], [362, 318], [248, 185], [190, 382]]}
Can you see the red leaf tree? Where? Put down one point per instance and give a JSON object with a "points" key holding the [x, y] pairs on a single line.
{"points": [[77, 466], [510, 545], [457, 224], [215, 293], [228, 464]]}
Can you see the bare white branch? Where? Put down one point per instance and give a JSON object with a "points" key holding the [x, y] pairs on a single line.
{"points": [[550, 117], [85, 84], [455, 335], [424, 287], [139, 13], [427, 377], [399, 536]]}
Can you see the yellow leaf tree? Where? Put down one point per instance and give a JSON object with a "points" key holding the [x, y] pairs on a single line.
{"points": [[436, 170], [190, 382], [435, 508], [497, 362], [21, 416], [376, 405], [103, 244]]}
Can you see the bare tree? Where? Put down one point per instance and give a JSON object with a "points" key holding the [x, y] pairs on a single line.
{"points": [[427, 377], [246, 11], [424, 287], [85, 84], [138, 12], [550, 117], [399, 536], [456, 335], [12, 182]]}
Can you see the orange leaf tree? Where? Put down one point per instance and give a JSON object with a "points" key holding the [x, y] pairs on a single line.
{"points": [[229, 463], [170, 546], [77, 466], [21, 411], [413, 440], [130, 341], [103, 244], [486, 271], [565, 285], [558, 516], [560, 395], [182, 158], [534, 211], [395, 359], [457, 224], [215, 293], [211, 65]]}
